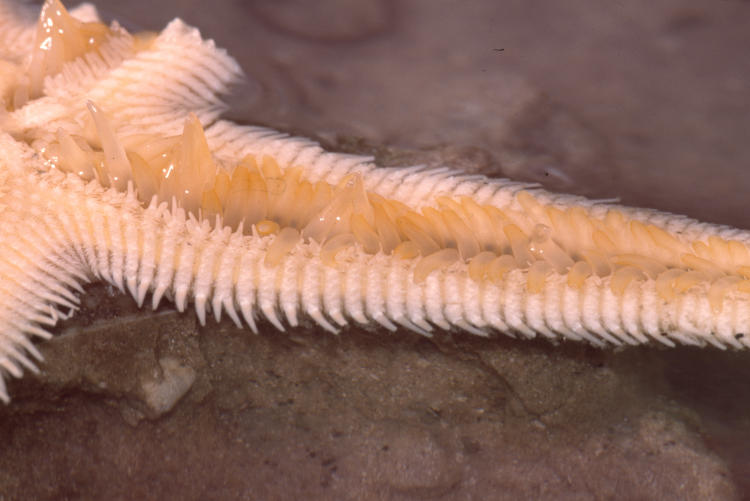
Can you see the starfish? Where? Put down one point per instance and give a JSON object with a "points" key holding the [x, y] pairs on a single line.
{"points": [[115, 166]]}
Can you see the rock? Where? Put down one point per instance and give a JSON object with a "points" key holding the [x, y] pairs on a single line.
{"points": [[162, 393], [363, 415], [330, 21]]}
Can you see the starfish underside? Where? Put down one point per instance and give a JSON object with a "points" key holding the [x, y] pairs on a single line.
{"points": [[114, 166]]}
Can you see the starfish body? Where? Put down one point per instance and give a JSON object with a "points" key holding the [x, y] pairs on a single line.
{"points": [[107, 173]]}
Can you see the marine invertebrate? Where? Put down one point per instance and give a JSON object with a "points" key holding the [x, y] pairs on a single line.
{"points": [[115, 167]]}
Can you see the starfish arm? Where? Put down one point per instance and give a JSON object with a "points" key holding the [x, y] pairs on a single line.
{"points": [[257, 224], [418, 186], [191, 262], [387, 294], [37, 271], [215, 267], [128, 73], [165, 251], [197, 74]]}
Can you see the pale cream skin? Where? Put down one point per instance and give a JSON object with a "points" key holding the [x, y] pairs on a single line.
{"points": [[115, 167]]}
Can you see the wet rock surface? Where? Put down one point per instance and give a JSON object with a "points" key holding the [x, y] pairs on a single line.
{"points": [[639, 102], [363, 415]]}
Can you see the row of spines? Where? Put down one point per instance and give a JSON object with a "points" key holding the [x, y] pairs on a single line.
{"points": [[226, 272]]}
